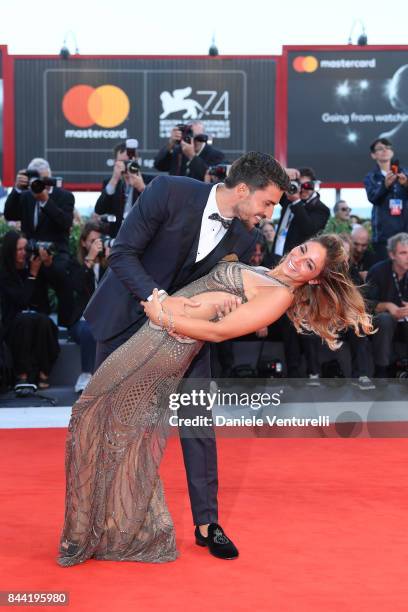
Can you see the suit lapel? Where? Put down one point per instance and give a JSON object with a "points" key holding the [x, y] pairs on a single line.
{"points": [[193, 214], [223, 247]]}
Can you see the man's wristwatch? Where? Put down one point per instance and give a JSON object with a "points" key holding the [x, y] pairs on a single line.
{"points": [[162, 295]]}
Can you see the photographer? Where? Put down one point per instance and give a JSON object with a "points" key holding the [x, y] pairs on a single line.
{"points": [[46, 214], [85, 274], [120, 192], [303, 214], [362, 257], [188, 153], [268, 232], [387, 190], [388, 291], [30, 334]]}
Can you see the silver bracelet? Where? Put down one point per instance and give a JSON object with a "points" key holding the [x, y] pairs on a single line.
{"points": [[160, 318]]}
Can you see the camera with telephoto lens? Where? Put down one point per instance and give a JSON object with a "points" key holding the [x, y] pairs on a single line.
{"points": [[219, 172], [33, 247], [131, 147], [308, 185], [105, 223], [38, 183], [107, 242], [132, 167], [187, 134], [294, 187]]}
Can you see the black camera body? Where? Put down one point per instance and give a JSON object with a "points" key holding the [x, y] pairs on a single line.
{"points": [[219, 172], [188, 134], [33, 247], [38, 183], [105, 223], [132, 166], [107, 242], [294, 187]]}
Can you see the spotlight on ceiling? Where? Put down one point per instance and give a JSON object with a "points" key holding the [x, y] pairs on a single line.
{"points": [[64, 51], [213, 50], [362, 39]]}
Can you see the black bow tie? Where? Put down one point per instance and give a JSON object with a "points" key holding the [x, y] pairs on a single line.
{"points": [[224, 222]]}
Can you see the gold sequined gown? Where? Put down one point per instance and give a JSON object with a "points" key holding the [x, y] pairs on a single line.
{"points": [[115, 507]]}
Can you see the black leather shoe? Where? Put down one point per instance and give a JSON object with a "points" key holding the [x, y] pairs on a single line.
{"points": [[217, 542]]}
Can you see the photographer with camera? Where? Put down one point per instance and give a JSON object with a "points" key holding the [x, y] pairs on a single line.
{"points": [[387, 190], [217, 174], [188, 152], [85, 274], [387, 290], [120, 192], [46, 214], [30, 334], [303, 215]]}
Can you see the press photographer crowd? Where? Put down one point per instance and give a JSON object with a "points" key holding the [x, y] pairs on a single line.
{"points": [[51, 262]]}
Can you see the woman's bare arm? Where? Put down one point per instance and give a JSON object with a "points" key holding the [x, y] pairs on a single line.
{"points": [[269, 304]]}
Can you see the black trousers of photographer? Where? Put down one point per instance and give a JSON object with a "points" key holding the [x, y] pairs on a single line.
{"points": [[57, 277], [389, 330]]}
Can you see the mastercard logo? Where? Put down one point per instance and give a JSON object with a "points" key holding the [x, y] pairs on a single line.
{"points": [[305, 64], [107, 106]]}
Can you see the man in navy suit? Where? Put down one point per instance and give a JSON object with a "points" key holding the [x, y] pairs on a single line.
{"points": [[178, 230]]}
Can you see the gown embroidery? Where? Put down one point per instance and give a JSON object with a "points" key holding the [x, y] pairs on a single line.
{"points": [[115, 507]]}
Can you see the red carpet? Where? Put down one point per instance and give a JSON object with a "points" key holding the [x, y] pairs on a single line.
{"points": [[320, 524]]}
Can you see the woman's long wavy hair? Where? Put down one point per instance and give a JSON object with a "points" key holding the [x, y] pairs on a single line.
{"points": [[333, 305], [8, 253]]}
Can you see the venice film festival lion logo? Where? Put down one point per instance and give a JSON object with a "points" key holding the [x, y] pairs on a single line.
{"points": [[213, 108], [178, 101]]}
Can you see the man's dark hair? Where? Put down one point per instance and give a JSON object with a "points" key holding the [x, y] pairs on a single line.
{"points": [[307, 172], [257, 170], [120, 148], [383, 141]]}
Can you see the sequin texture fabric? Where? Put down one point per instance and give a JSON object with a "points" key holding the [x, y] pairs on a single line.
{"points": [[115, 506]]}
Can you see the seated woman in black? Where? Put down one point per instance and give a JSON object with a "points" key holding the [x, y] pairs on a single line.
{"points": [[29, 332], [85, 275]]}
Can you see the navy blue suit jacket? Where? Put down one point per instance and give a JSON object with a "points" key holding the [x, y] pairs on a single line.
{"points": [[154, 248]]}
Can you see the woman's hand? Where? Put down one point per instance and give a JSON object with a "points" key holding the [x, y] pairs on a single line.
{"points": [[229, 305], [96, 248], [35, 265], [45, 257]]}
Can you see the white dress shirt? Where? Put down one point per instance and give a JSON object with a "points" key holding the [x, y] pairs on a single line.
{"points": [[211, 232]]}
